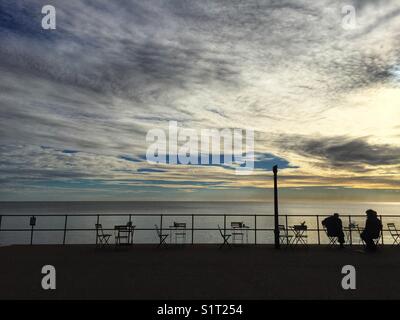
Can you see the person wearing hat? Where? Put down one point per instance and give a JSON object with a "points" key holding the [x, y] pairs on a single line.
{"points": [[372, 230]]}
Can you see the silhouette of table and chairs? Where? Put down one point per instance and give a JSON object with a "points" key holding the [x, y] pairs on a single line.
{"points": [[350, 230], [293, 235], [300, 235], [123, 234], [178, 232], [239, 231]]}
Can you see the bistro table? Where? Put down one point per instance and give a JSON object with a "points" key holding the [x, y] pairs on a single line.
{"points": [[300, 234], [239, 229], [124, 233], [351, 231], [178, 229]]}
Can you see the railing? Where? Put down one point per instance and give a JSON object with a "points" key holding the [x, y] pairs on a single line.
{"points": [[31, 224]]}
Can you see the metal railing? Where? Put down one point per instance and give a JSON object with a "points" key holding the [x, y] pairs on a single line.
{"points": [[31, 223]]}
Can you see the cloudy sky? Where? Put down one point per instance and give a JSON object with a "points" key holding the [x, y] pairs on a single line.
{"points": [[77, 102]]}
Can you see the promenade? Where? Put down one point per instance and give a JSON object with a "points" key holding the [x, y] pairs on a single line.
{"points": [[197, 272]]}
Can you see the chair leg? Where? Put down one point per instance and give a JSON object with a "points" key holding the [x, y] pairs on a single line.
{"points": [[224, 243], [162, 240]]}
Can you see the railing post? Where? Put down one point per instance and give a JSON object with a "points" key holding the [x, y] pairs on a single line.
{"points": [[224, 225], [350, 231], [287, 229], [31, 235], [319, 239], [130, 230], [161, 219], [382, 230], [255, 229], [97, 222], [32, 222], [192, 228], [65, 228]]}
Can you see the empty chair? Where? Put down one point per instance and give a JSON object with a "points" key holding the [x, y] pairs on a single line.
{"points": [[101, 237], [124, 234], [284, 236], [394, 233], [180, 232], [160, 235], [224, 236], [237, 232]]}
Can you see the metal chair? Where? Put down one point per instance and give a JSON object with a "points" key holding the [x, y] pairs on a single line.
{"points": [[237, 232], [284, 236], [394, 233], [101, 237], [124, 234], [332, 239], [376, 240], [180, 232], [300, 234], [161, 236], [224, 236]]}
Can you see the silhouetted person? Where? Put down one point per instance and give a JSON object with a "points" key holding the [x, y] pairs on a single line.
{"points": [[334, 228], [373, 227]]}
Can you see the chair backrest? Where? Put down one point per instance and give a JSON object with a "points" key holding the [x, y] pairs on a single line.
{"points": [[220, 231], [236, 224], [392, 229], [99, 229], [326, 230], [282, 229], [157, 230], [180, 225]]}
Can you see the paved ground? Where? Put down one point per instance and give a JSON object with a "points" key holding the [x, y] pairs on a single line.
{"points": [[197, 272]]}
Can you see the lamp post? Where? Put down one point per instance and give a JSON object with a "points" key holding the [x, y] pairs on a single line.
{"points": [[276, 211]]}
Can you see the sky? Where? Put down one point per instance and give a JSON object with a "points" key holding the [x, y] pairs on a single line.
{"points": [[77, 102]]}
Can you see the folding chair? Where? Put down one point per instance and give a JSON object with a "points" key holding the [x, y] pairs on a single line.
{"points": [[237, 231], [376, 240], [160, 235], [224, 236], [101, 237], [394, 233], [124, 234], [300, 234], [180, 232], [284, 236], [332, 240]]}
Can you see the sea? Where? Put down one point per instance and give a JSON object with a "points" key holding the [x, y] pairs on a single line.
{"points": [[74, 222]]}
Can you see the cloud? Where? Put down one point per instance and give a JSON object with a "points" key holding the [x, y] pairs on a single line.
{"points": [[343, 152], [113, 70]]}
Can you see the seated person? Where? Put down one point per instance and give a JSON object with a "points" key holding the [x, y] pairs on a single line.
{"points": [[333, 225], [372, 230]]}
